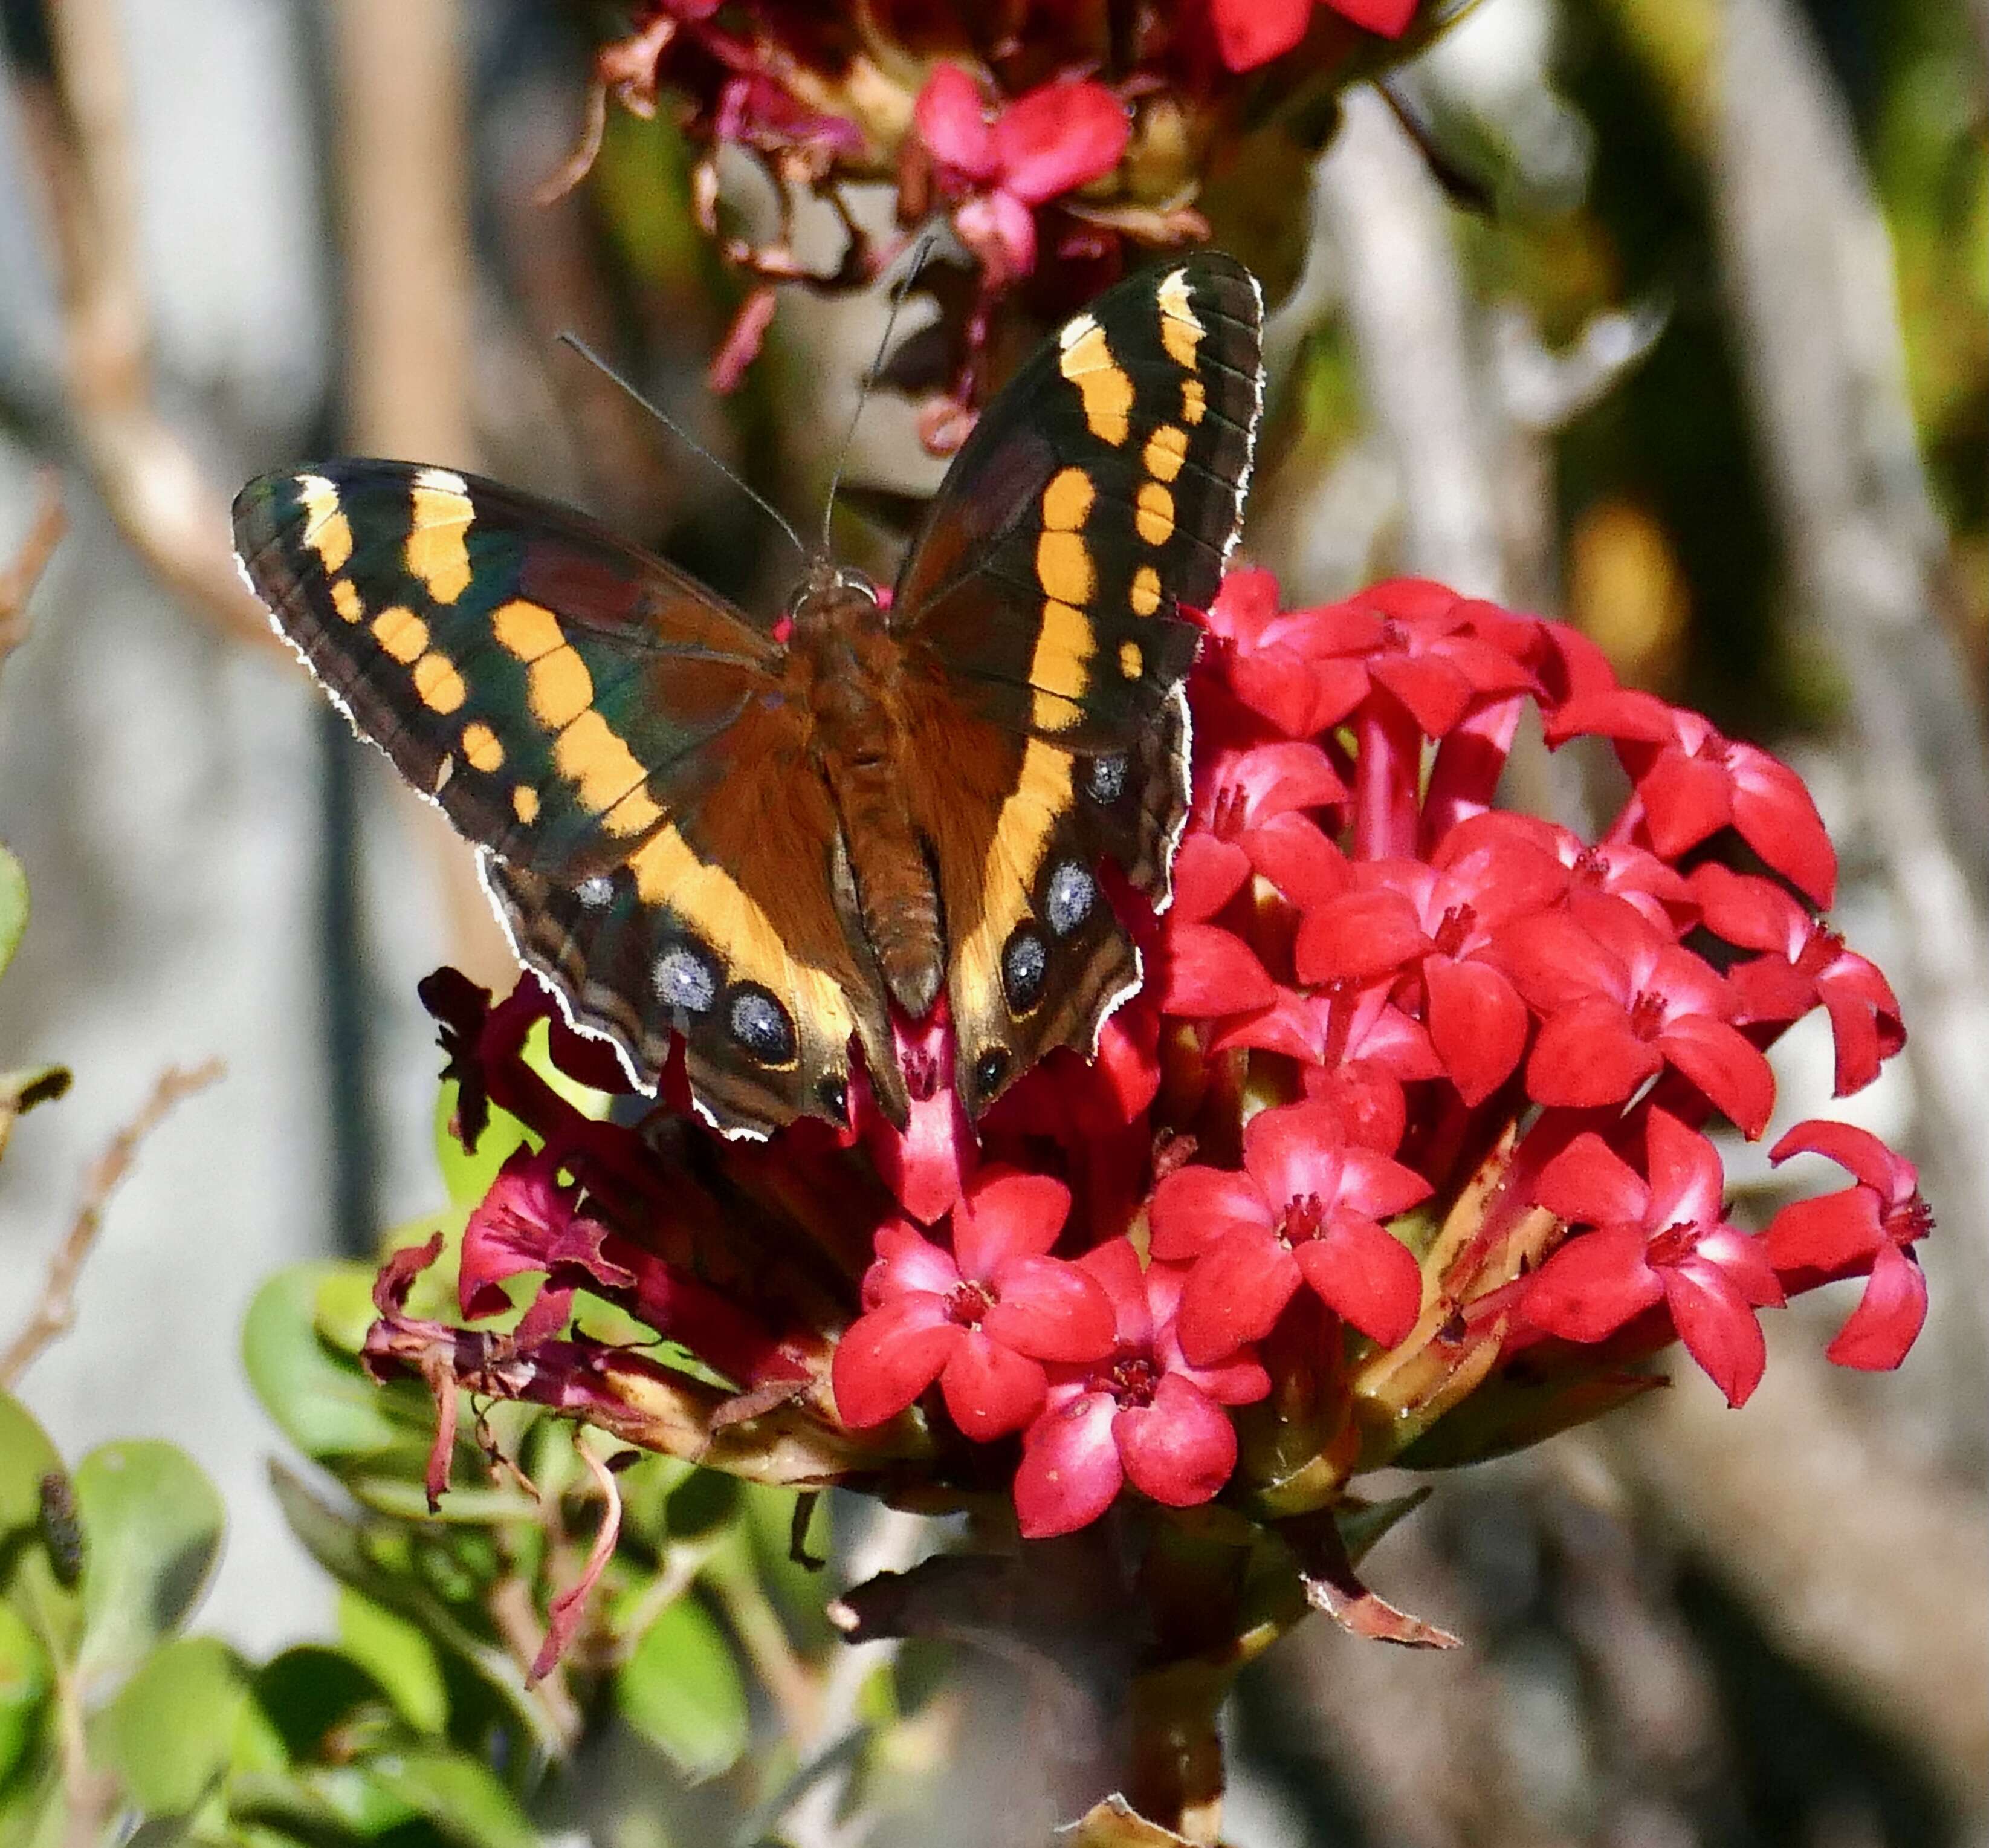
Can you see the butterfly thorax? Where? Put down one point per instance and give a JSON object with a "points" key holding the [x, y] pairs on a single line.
{"points": [[846, 669]]}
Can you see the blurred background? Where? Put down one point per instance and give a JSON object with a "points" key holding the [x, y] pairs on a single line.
{"points": [[1683, 335]]}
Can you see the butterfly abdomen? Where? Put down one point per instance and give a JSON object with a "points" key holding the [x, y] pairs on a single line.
{"points": [[848, 669]]}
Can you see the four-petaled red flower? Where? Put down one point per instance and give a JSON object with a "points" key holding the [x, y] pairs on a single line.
{"points": [[1251, 806], [1142, 1414], [1000, 166], [1619, 1002], [1251, 32], [1690, 782], [1415, 638], [1357, 1048], [1306, 1209], [1806, 963], [980, 1319], [1660, 1240], [1868, 1229], [1441, 922]]}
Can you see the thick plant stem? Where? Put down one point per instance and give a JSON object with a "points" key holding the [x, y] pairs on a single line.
{"points": [[1176, 1774]]}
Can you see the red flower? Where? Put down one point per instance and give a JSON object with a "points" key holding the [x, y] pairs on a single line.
{"points": [[1415, 638], [1621, 1001], [1142, 1414], [1663, 1240], [980, 1319], [1869, 1228], [1306, 1209], [1250, 805], [1690, 782], [1440, 922], [1251, 32], [1358, 1049], [527, 1222], [1003, 164], [1807, 963]]}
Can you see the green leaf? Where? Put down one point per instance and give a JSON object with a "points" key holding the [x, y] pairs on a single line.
{"points": [[681, 1689], [152, 1525], [13, 906], [325, 1405], [458, 1794], [26, 1456], [170, 1732], [34, 1812], [398, 1656], [308, 1692], [468, 1175], [349, 1550], [25, 1675]]}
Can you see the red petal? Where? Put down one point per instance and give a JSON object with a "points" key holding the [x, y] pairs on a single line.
{"points": [[1291, 851], [1755, 914], [1234, 1293], [1389, 18], [1194, 1206], [1685, 798], [1116, 1266], [990, 1390], [1005, 1214], [1435, 693], [1719, 1329], [1477, 1023], [1359, 934], [1688, 1185], [1555, 963], [1295, 1149], [1208, 972], [1592, 1286], [1050, 1310], [1888, 1317], [885, 1359], [1070, 1472], [953, 123], [1892, 1177], [1831, 1234], [906, 1262], [1371, 1278], [1726, 1065], [1585, 1056], [1180, 1449], [1251, 32], [1590, 1184], [1060, 136], [1208, 872], [1774, 816]]}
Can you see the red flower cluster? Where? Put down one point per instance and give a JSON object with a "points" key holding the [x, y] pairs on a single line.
{"points": [[1087, 135], [1409, 1113]]}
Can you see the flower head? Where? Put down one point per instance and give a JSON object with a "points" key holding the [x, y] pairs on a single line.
{"points": [[1660, 1239], [1141, 1413], [1305, 1211], [1868, 1229], [980, 1319]]}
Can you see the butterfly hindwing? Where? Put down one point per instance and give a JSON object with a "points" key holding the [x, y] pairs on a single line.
{"points": [[612, 735], [1100, 493]]}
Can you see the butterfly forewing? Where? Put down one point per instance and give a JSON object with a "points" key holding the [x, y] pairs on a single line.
{"points": [[1098, 495], [613, 735]]}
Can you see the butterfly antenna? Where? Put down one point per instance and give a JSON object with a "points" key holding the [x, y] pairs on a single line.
{"points": [[569, 339], [920, 252]]}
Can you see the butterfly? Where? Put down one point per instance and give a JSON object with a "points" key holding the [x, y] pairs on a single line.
{"points": [[761, 834]]}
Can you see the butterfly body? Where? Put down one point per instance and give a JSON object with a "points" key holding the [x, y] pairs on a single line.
{"points": [[763, 836]]}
